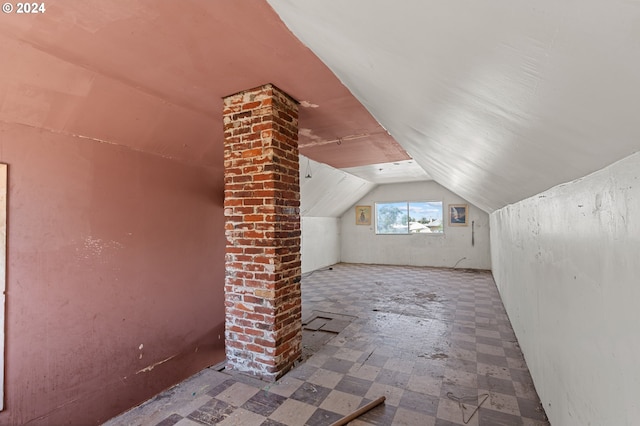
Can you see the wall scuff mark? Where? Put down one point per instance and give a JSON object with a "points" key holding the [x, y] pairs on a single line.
{"points": [[152, 366]]}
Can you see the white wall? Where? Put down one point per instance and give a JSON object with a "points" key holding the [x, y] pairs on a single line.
{"points": [[567, 264], [360, 244], [320, 242], [323, 197]]}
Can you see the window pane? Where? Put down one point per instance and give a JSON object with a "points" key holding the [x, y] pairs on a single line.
{"points": [[391, 218], [425, 217]]}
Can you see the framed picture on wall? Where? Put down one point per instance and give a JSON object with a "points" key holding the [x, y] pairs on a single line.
{"points": [[458, 214], [363, 215]]}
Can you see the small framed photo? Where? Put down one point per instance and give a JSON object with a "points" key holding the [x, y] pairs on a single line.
{"points": [[363, 215], [458, 214]]}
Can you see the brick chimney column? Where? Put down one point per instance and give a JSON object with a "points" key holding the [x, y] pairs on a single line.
{"points": [[262, 212]]}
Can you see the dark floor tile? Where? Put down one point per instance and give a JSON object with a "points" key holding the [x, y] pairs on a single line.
{"points": [[171, 420], [497, 418], [264, 403], [419, 402], [329, 350], [311, 394], [220, 388], [513, 353], [212, 412], [465, 317], [465, 308], [521, 376], [494, 384], [336, 326], [503, 321], [393, 378], [354, 385], [270, 422], [462, 364], [442, 422], [463, 344], [322, 417], [499, 361], [507, 335], [511, 344], [531, 409], [462, 329], [489, 341], [338, 365]]}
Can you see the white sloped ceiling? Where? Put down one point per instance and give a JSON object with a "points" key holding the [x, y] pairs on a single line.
{"points": [[328, 192], [497, 100]]}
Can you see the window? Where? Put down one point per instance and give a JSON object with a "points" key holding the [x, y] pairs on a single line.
{"points": [[414, 217]]}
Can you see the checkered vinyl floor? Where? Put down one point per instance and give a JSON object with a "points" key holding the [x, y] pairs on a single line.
{"points": [[420, 334]]}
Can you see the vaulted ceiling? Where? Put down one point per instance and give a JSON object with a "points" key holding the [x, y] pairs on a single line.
{"points": [[495, 100]]}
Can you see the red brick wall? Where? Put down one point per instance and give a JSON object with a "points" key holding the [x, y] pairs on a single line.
{"points": [[261, 205]]}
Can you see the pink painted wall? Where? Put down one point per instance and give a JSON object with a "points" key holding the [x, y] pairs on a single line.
{"points": [[109, 250]]}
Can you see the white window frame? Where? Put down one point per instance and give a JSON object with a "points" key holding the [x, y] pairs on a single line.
{"points": [[407, 209]]}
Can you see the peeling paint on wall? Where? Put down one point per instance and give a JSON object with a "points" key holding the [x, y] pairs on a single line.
{"points": [[96, 247], [308, 104]]}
